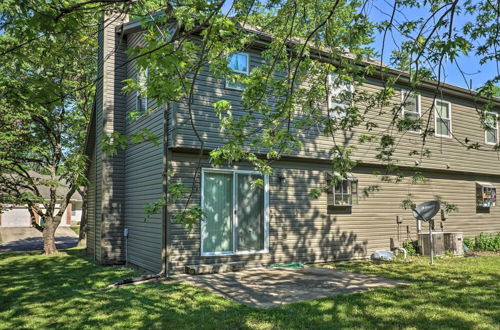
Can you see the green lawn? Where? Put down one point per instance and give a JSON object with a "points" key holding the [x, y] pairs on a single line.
{"points": [[67, 291]]}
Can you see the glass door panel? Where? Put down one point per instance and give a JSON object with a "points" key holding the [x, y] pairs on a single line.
{"points": [[217, 232], [249, 213]]}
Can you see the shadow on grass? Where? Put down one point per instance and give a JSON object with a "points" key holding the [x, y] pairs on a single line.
{"points": [[67, 291], [36, 243]]}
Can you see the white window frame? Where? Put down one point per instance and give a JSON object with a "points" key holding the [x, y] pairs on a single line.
{"points": [[235, 208], [247, 72], [496, 129], [350, 88], [404, 93], [138, 94], [436, 115], [331, 190]]}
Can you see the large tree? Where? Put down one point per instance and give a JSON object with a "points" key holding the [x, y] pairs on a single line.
{"points": [[46, 94], [283, 99]]}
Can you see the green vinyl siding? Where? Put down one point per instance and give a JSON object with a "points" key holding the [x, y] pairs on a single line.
{"points": [[143, 180]]}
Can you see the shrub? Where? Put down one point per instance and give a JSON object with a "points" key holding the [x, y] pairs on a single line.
{"points": [[483, 242], [469, 243], [410, 247]]}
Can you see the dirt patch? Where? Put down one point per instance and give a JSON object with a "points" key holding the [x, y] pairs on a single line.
{"points": [[482, 253]]}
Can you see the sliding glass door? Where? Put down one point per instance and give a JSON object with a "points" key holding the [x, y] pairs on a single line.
{"points": [[236, 212]]}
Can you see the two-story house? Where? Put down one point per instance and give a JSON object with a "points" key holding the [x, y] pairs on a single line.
{"points": [[281, 222]]}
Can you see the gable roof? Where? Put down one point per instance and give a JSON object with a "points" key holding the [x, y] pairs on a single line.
{"points": [[61, 190]]}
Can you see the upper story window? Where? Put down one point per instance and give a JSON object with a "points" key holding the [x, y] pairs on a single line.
{"points": [[340, 93], [442, 115], [491, 128], [238, 63], [411, 110], [141, 99]]}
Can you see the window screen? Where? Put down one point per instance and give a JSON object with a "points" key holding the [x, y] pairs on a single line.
{"points": [[218, 208], [141, 96], [443, 118], [411, 110], [250, 213], [491, 131], [339, 96]]}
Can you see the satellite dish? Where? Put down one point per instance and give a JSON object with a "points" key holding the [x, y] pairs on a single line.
{"points": [[426, 211]]}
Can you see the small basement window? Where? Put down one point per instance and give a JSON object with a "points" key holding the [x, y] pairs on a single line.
{"points": [[344, 192], [486, 195]]}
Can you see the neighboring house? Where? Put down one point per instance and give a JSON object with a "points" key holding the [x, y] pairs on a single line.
{"points": [[19, 216], [280, 223]]}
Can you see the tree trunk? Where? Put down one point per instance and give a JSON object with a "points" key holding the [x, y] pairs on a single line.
{"points": [[82, 237], [49, 240]]}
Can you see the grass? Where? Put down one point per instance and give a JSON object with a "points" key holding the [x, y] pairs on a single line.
{"points": [[76, 229], [67, 291]]}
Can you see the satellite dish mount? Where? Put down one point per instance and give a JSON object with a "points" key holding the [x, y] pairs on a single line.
{"points": [[425, 212]]}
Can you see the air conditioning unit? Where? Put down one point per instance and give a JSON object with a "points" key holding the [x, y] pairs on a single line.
{"points": [[453, 242]]}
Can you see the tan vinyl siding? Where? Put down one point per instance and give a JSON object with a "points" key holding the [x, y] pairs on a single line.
{"points": [[113, 178], [109, 170], [98, 149], [305, 229], [91, 206], [445, 153], [113, 166], [143, 177], [301, 228]]}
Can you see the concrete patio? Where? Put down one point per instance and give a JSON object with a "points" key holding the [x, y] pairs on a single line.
{"points": [[273, 287]]}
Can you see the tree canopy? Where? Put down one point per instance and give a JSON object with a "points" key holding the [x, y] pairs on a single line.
{"points": [[46, 95]]}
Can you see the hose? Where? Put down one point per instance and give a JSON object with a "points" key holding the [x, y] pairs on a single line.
{"points": [[402, 249]]}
